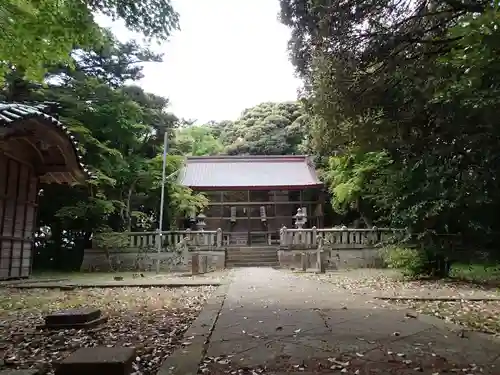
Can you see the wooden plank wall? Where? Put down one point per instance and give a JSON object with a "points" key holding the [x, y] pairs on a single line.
{"points": [[18, 192]]}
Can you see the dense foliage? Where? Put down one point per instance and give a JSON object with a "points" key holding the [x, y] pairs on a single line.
{"points": [[37, 34], [120, 128], [416, 82], [266, 129], [399, 109]]}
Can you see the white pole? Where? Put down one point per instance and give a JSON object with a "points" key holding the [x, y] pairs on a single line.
{"points": [[162, 201]]}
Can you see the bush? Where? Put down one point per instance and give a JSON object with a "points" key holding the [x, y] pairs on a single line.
{"points": [[411, 262], [417, 263]]}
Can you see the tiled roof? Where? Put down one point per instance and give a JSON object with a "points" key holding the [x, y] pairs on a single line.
{"points": [[249, 172], [12, 112]]}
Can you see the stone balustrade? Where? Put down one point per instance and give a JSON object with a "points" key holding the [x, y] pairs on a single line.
{"points": [[205, 239], [307, 238], [139, 251], [304, 238], [340, 246]]}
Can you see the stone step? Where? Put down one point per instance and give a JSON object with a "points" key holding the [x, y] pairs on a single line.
{"points": [[251, 264], [254, 247], [256, 251], [253, 251], [252, 256], [256, 256], [251, 260]]}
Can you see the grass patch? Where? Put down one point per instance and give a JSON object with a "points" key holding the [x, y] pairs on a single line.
{"points": [[476, 273]]}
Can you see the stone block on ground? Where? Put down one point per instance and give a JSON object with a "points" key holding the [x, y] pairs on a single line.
{"points": [[74, 318], [304, 261], [195, 264], [98, 360], [321, 262], [20, 372], [203, 264]]}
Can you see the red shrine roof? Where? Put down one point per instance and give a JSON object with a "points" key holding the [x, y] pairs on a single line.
{"points": [[264, 172]]}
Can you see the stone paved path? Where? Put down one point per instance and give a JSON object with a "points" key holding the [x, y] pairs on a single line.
{"points": [[275, 322]]}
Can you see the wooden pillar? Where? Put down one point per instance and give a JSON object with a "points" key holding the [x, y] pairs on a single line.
{"points": [[4, 190], [322, 209], [249, 221], [277, 223]]}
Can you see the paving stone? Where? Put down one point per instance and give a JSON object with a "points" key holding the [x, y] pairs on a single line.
{"points": [[275, 319], [74, 319], [195, 264], [72, 316], [98, 361]]}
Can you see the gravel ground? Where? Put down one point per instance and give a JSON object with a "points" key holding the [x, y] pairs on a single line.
{"points": [[151, 320], [377, 361], [91, 277], [481, 316], [377, 282]]}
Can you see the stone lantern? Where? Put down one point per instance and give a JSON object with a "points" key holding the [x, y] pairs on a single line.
{"points": [[300, 219], [200, 223]]}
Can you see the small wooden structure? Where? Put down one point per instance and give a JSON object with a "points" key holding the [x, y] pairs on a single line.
{"points": [[34, 148], [253, 197]]}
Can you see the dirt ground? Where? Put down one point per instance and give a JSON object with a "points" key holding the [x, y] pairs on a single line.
{"points": [[153, 320]]}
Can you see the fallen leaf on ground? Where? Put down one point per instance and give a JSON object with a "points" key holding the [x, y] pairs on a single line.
{"points": [[153, 320]]}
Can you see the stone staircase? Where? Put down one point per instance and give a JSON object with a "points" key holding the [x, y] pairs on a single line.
{"points": [[252, 256]]}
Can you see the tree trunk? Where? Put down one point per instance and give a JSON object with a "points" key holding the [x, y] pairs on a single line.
{"points": [[363, 214], [127, 212]]}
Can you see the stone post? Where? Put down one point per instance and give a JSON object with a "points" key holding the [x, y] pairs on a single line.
{"points": [[374, 235], [185, 250], [314, 236], [204, 264], [195, 264], [218, 240], [303, 261], [320, 264], [345, 235], [283, 236]]}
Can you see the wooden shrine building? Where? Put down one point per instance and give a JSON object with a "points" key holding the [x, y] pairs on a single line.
{"points": [[34, 147], [252, 197]]}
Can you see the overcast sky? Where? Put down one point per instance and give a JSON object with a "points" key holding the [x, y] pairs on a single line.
{"points": [[229, 55]]}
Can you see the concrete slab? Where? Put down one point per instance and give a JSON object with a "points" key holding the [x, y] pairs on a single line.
{"points": [[98, 361], [276, 322], [72, 316]]}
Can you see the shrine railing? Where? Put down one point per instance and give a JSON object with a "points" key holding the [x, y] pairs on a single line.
{"points": [[308, 238], [203, 239]]}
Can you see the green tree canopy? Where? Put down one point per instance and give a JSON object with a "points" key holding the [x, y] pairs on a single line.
{"points": [[37, 34], [121, 129], [416, 81]]}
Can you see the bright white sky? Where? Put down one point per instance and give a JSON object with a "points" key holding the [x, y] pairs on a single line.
{"points": [[228, 56]]}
